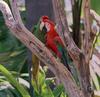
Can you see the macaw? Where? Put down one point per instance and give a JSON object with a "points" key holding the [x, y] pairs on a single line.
{"points": [[53, 40], [45, 31]]}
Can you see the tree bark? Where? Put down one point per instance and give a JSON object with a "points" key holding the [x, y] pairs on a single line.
{"points": [[78, 56], [18, 29]]}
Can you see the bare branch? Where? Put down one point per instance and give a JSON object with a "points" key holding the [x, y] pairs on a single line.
{"points": [[95, 31], [72, 49], [9, 20], [75, 53], [59, 25], [87, 45], [38, 48], [95, 16], [87, 26]]}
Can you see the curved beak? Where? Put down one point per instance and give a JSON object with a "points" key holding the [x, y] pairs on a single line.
{"points": [[41, 26]]}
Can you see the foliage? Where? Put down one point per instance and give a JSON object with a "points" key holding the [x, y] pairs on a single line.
{"points": [[95, 5], [42, 86], [13, 55], [94, 71], [14, 82], [11, 86], [12, 52]]}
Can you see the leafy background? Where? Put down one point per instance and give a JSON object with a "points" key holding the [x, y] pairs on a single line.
{"points": [[13, 56]]}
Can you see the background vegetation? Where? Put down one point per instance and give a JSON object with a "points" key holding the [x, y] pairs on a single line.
{"points": [[13, 57]]}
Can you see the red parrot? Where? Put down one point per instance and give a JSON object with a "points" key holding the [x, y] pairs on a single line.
{"points": [[53, 40]]}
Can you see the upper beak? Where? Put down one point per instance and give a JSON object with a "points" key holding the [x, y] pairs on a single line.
{"points": [[41, 26]]}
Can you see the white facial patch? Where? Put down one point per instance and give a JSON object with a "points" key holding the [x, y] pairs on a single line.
{"points": [[41, 25], [47, 25]]}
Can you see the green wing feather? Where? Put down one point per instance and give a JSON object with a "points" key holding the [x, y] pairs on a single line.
{"points": [[66, 60], [36, 31]]}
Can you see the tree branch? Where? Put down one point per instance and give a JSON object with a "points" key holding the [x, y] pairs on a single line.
{"points": [[58, 21], [72, 49], [95, 16], [96, 31], [18, 29], [76, 54], [87, 26], [87, 46]]}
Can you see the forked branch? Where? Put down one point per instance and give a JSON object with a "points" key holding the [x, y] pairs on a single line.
{"points": [[18, 29]]}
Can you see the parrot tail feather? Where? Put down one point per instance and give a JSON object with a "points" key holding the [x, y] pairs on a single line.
{"points": [[65, 60]]}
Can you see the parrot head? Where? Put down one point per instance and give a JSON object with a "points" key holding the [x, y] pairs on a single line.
{"points": [[44, 26], [44, 18]]}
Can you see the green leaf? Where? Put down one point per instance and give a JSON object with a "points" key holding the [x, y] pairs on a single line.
{"points": [[49, 81], [94, 78], [58, 90], [63, 94], [6, 93], [95, 4], [40, 87], [13, 81]]}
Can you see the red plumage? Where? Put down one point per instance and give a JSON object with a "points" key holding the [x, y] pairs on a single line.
{"points": [[52, 37], [53, 40]]}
